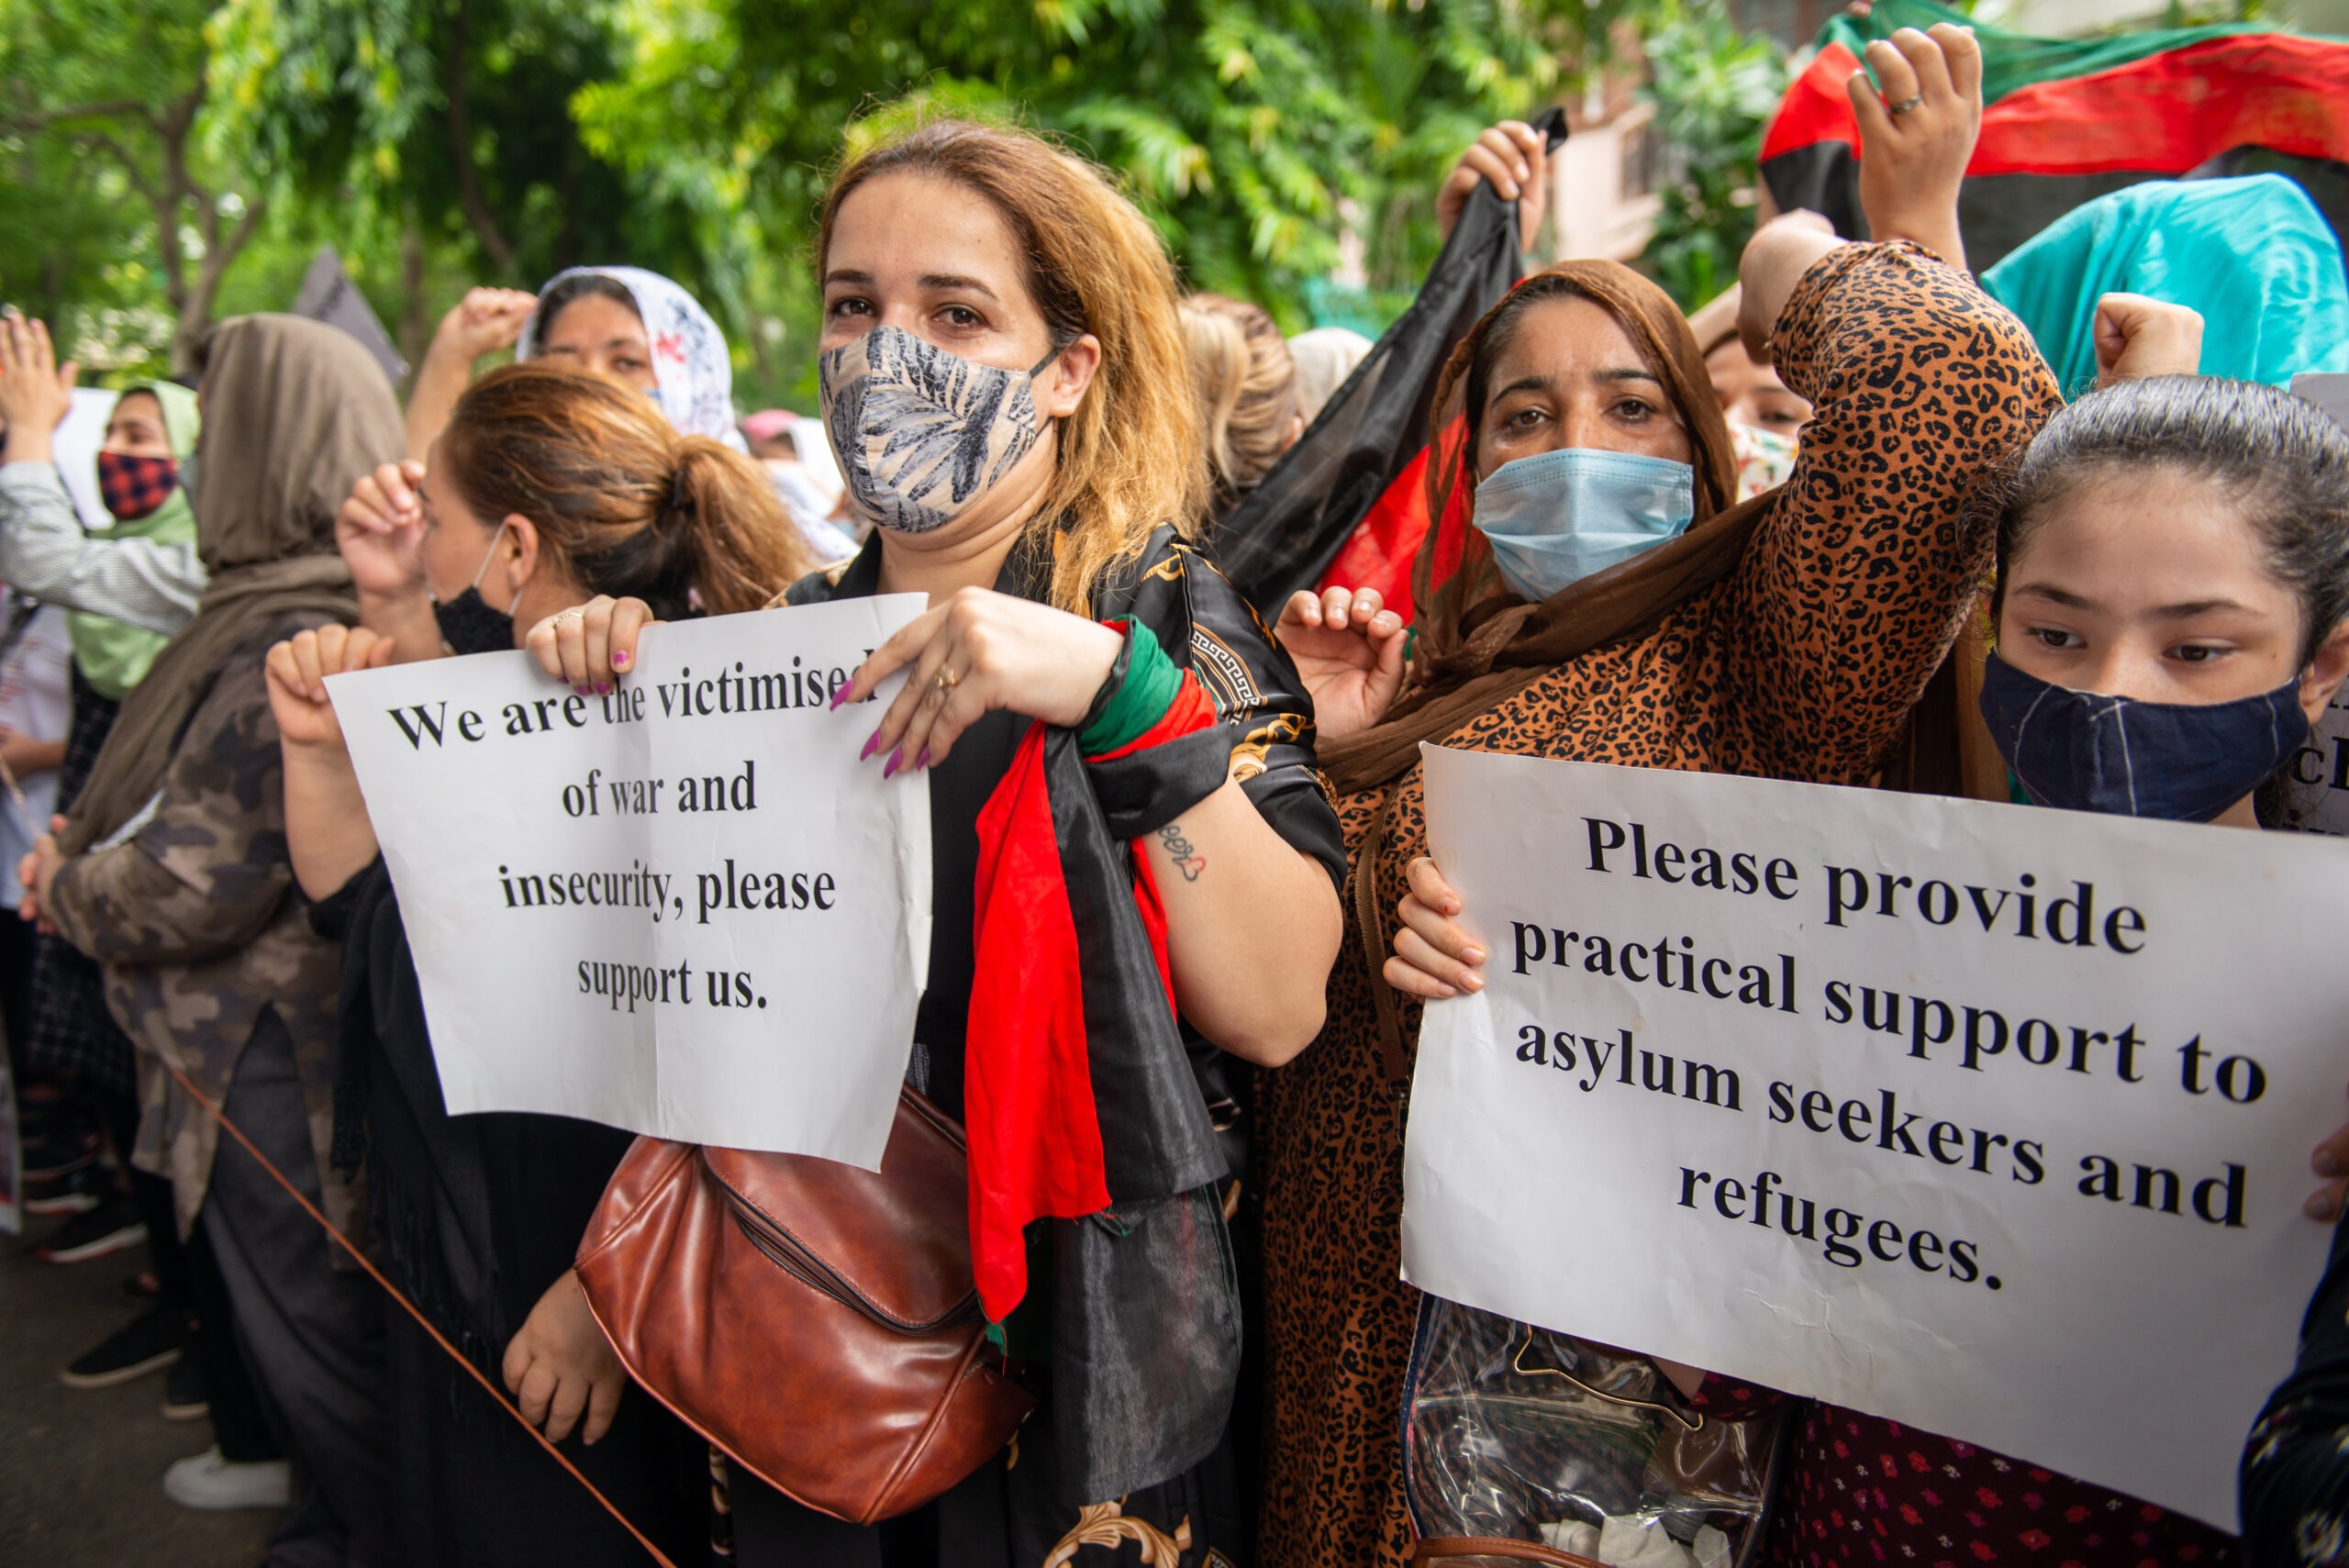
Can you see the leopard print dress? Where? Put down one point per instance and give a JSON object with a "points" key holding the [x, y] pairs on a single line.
{"points": [[1802, 663]]}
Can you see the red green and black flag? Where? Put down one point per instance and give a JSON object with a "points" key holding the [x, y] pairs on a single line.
{"points": [[1348, 503], [2065, 121]]}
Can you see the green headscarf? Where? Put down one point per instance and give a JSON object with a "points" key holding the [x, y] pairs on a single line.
{"points": [[2251, 254], [113, 655]]}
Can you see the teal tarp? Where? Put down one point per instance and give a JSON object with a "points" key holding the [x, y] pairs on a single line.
{"points": [[2253, 255]]}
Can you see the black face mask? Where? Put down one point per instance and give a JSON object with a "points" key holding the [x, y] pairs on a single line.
{"points": [[468, 625], [2181, 761]]}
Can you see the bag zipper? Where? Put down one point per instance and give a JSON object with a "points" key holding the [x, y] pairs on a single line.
{"points": [[785, 1251]]}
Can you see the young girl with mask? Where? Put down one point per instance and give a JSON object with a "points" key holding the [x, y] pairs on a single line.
{"points": [[1003, 375], [547, 486], [1614, 604], [2172, 610]]}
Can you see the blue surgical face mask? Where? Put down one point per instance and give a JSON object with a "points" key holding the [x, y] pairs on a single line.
{"points": [[2178, 762], [1559, 517]]}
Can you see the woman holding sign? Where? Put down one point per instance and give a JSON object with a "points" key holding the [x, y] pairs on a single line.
{"points": [[547, 488], [2173, 583], [1003, 375], [1614, 606]]}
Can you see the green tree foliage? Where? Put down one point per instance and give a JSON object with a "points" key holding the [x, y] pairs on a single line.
{"points": [[450, 119], [1271, 140], [1280, 145], [104, 115], [1715, 89]]}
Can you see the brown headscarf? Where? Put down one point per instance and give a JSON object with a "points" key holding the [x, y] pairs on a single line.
{"points": [[1479, 642], [294, 413]]}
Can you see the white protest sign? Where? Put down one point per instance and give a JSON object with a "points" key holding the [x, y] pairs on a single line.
{"points": [[2317, 779], [685, 909], [1987, 1119]]}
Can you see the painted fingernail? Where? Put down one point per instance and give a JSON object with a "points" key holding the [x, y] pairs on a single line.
{"points": [[621, 661], [603, 688], [870, 746], [839, 697], [2318, 1207], [2325, 1164], [897, 759], [922, 760], [585, 691]]}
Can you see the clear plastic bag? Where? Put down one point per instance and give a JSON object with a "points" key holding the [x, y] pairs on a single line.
{"points": [[1513, 1433]]}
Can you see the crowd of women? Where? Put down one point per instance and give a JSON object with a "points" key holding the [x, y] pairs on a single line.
{"points": [[1748, 544]]}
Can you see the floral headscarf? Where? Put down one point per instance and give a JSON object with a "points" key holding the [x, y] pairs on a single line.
{"points": [[694, 380]]}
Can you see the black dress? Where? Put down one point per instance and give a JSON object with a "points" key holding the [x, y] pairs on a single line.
{"points": [[1008, 1515], [475, 1216]]}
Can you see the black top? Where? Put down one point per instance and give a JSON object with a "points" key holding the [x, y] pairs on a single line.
{"points": [[1199, 619], [476, 1214]]}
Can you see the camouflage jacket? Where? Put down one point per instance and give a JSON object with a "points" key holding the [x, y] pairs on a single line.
{"points": [[198, 923]]}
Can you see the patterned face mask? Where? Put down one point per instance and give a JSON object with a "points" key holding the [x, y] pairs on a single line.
{"points": [[134, 486], [921, 433]]}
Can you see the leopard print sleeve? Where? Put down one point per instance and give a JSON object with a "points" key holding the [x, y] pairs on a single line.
{"points": [[1855, 583]]}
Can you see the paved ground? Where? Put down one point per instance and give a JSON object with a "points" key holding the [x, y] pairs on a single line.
{"points": [[80, 1473]]}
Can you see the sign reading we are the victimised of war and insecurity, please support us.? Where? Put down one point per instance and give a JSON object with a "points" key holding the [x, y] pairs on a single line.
{"points": [[1990, 1121], [684, 908]]}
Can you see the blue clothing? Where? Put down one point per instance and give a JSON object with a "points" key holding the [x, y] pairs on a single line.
{"points": [[2253, 255]]}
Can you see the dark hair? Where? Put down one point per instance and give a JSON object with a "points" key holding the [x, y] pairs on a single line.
{"points": [[622, 501], [2281, 461], [578, 286]]}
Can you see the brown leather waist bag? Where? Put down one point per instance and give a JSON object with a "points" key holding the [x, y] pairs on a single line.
{"points": [[817, 1322]]}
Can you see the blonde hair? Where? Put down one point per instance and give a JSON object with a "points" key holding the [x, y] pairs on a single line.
{"points": [[1129, 458], [1247, 389]]}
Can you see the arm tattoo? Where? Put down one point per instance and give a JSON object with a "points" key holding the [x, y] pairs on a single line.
{"points": [[1186, 857]]}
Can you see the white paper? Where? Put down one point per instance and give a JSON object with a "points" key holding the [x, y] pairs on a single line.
{"points": [[2103, 1338], [655, 1006], [2316, 781], [2317, 778]]}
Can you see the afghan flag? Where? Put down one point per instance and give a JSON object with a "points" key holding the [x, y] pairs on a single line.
{"points": [[1348, 504], [2066, 121]]}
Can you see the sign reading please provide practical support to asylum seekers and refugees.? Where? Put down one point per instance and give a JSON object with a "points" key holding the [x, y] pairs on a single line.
{"points": [[1991, 1120], [684, 908]]}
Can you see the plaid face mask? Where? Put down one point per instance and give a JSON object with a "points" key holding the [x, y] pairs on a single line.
{"points": [[134, 486], [921, 433]]}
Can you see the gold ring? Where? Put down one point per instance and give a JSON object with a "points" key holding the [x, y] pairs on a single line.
{"points": [[1909, 105], [947, 679]]}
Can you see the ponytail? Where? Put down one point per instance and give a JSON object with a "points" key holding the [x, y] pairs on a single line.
{"points": [[723, 510], [623, 503]]}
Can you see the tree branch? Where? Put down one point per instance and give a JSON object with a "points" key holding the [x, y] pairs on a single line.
{"points": [[121, 154], [461, 145], [42, 119]]}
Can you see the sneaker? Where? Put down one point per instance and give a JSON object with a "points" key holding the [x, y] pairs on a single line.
{"points": [[75, 1192], [210, 1481], [59, 1153], [149, 1342], [183, 1395], [109, 1228]]}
